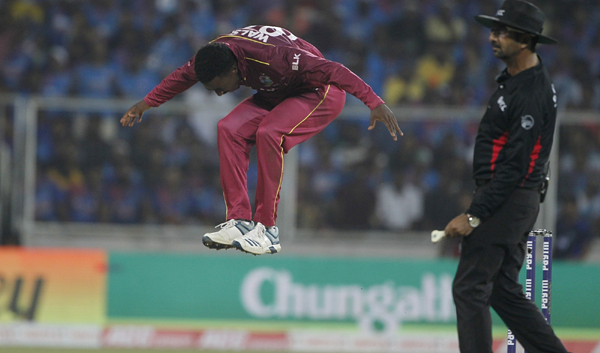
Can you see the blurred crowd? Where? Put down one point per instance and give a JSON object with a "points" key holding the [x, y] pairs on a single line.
{"points": [[413, 53], [410, 52]]}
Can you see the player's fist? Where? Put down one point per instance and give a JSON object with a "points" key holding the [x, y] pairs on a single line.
{"points": [[458, 227]]}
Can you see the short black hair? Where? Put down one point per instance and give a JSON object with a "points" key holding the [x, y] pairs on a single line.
{"points": [[212, 60], [525, 38]]}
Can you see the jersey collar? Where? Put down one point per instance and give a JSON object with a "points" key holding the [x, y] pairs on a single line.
{"points": [[524, 75]]}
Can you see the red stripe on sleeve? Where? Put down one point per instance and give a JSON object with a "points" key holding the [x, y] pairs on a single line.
{"points": [[535, 154], [499, 143]]}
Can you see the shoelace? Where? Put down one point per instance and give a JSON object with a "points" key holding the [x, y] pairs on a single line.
{"points": [[260, 232], [230, 223]]}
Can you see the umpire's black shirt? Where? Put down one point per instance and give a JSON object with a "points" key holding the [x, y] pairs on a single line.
{"points": [[514, 138]]}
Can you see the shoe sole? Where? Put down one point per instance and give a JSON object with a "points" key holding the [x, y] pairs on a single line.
{"points": [[209, 243], [273, 249]]}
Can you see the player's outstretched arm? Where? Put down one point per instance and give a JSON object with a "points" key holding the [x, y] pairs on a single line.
{"points": [[384, 114], [136, 111]]}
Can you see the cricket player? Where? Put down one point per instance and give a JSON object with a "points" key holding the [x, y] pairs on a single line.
{"points": [[298, 93]]}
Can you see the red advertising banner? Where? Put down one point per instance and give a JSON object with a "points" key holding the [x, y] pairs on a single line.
{"points": [[148, 337]]}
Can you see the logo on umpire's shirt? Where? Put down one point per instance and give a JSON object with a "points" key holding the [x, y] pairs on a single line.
{"points": [[527, 122], [501, 103]]}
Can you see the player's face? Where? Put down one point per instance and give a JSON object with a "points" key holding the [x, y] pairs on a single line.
{"points": [[503, 45], [227, 83]]}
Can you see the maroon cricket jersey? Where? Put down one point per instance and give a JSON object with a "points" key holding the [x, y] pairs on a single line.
{"points": [[275, 63]]}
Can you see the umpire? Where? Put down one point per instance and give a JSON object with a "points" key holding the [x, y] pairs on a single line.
{"points": [[512, 149]]}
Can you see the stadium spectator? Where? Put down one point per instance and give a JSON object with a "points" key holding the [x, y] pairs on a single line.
{"points": [[86, 200], [399, 202], [357, 189], [573, 232]]}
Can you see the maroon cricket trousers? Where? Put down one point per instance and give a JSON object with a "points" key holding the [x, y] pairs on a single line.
{"points": [[274, 132]]}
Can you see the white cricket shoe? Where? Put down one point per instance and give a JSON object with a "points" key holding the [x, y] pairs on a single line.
{"points": [[230, 230], [260, 240]]}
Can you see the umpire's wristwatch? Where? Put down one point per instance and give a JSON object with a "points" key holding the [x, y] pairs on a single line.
{"points": [[473, 221]]}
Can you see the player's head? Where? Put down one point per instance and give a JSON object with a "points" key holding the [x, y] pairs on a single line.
{"points": [[216, 68]]}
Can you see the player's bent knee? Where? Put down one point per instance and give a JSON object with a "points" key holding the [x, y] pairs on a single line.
{"points": [[266, 133], [225, 128]]}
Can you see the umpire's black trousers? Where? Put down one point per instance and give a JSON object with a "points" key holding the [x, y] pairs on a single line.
{"points": [[487, 275]]}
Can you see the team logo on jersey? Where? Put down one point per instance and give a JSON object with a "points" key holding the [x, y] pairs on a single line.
{"points": [[265, 80], [527, 122], [501, 103]]}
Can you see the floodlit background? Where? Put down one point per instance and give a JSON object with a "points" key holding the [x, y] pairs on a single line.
{"points": [[101, 224]]}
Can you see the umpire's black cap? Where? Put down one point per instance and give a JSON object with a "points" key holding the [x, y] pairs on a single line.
{"points": [[521, 15]]}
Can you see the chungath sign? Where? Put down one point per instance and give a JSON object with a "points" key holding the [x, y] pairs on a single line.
{"points": [[268, 293]]}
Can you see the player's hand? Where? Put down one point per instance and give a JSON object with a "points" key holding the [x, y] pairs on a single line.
{"points": [[458, 227], [136, 111], [384, 114]]}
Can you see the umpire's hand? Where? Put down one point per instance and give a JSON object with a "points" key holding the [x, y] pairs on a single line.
{"points": [[458, 227]]}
